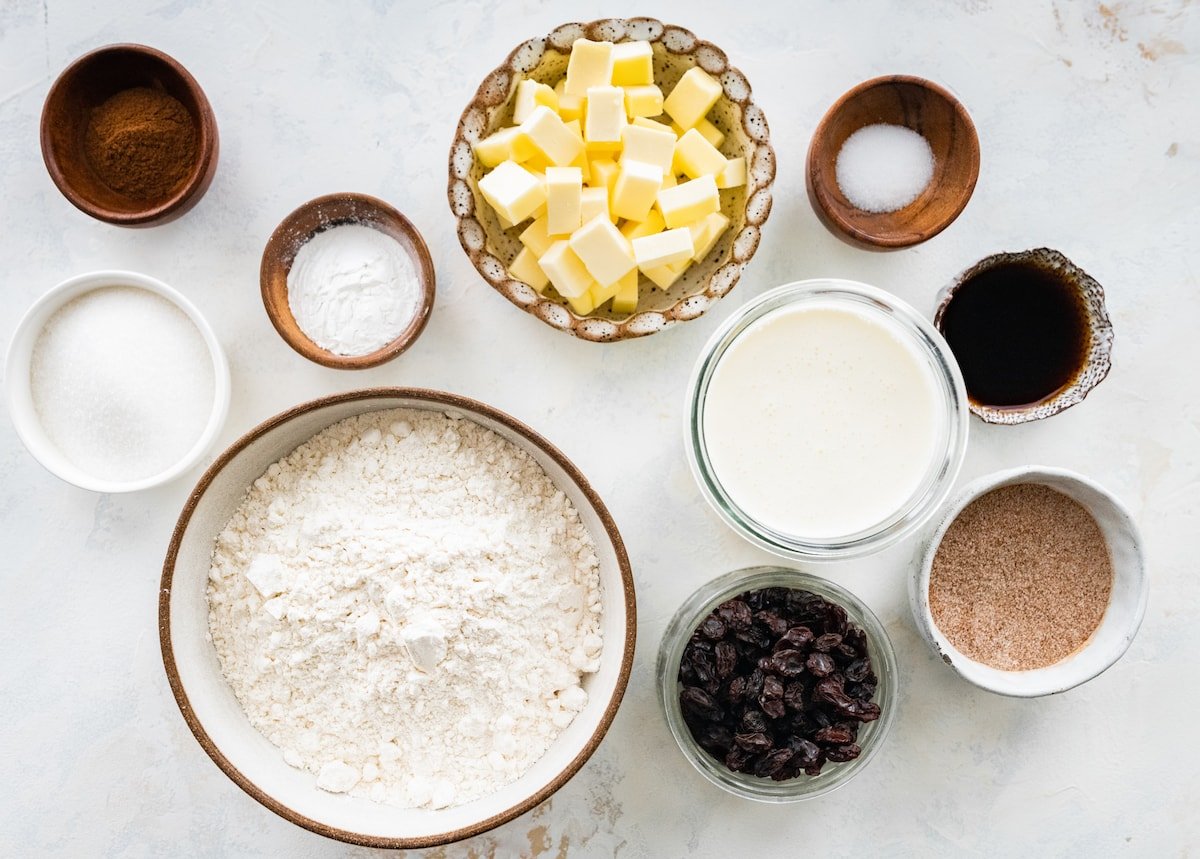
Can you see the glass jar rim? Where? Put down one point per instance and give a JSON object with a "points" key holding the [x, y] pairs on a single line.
{"points": [[707, 597], [944, 464]]}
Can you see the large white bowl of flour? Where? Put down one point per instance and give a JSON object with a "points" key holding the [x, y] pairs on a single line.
{"points": [[221, 592]]}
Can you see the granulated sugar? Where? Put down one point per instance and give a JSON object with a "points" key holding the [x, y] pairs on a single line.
{"points": [[406, 605], [122, 382], [883, 168], [1021, 579]]}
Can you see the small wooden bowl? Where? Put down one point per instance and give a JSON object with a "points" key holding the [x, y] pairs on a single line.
{"points": [[301, 225], [926, 108], [87, 83]]}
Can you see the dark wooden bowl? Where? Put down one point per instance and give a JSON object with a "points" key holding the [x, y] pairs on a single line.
{"points": [[932, 112], [321, 214], [84, 85]]}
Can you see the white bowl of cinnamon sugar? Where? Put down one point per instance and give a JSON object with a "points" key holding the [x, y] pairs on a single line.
{"points": [[1034, 583]]}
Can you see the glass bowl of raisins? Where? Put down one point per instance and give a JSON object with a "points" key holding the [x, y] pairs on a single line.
{"points": [[777, 685]]}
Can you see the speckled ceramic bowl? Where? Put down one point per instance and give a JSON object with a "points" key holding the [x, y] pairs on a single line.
{"points": [[1100, 333], [492, 248]]}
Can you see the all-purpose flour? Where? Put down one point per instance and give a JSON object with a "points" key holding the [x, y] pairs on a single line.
{"points": [[405, 606]]}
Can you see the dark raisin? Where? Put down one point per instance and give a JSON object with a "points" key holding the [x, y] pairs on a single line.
{"points": [[775, 625], [755, 635], [712, 628], [827, 642], [836, 619], [725, 656], [737, 759], [715, 738], [754, 684], [700, 704], [790, 663], [753, 721], [767, 665], [841, 754], [819, 664], [796, 638], [772, 764], [793, 696], [834, 735], [755, 742], [735, 614], [775, 597], [807, 752], [736, 690], [857, 670]]}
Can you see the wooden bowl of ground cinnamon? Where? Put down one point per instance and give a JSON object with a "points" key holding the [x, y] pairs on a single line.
{"points": [[128, 136], [1034, 583]]}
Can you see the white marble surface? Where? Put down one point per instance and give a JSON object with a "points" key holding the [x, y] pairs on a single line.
{"points": [[1091, 144]]}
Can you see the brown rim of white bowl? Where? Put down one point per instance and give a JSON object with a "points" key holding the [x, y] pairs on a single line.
{"points": [[441, 398], [743, 237]]}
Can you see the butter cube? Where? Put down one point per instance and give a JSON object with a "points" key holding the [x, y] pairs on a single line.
{"points": [[584, 303], [665, 276], [536, 236], [565, 270], [605, 116], [590, 65], [662, 249], [669, 180], [633, 63], [734, 174], [525, 267], [705, 233], [635, 191], [564, 187], [626, 299], [636, 229], [649, 146], [692, 98], [606, 253], [551, 136], [695, 156], [604, 173], [507, 144], [530, 94], [652, 124], [689, 202], [593, 202], [709, 131], [512, 191], [643, 101], [570, 106], [603, 294]]}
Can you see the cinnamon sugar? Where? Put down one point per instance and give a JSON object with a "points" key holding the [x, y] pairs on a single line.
{"points": [[1021, 579]]}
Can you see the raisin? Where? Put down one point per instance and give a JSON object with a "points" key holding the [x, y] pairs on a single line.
{"points": [[754, 684], [755, 635], [819, 664], [827, 642], [700, 704], [735, 614], [754, 742], [793, 697], [841, 754], [796, 638], [834, 735], [715, 738], [725, 656], [712, 628], [773, 763], [736, 690], [775, 625], [753, 721], [857, 670], [789, 663], [737, 759]]}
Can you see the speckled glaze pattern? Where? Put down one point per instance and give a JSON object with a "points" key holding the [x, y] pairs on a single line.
{"points": [[1100, 333], [492, 248]]}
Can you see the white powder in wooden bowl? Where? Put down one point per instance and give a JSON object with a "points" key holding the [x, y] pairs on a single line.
{"points": [[406, 606]]}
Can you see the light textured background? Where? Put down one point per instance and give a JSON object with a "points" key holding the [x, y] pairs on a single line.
{"points": [[1091, 144]]}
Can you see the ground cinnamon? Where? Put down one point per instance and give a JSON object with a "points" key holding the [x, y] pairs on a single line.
{"points": [[141, 143]]}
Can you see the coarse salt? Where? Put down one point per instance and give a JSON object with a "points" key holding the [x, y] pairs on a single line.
{"points": [[122, 383], [883, 168], [353, 289]]}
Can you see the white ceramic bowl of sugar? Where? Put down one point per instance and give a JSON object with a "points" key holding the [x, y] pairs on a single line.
{"points": [[225, 733], [20, 394], [1122, 617]]}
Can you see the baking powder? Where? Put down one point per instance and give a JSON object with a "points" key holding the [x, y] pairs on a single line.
{"points": [[353, 289], [405, 606]]}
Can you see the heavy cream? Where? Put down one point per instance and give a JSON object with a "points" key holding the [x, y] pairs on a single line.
{"points": [[821, 420]]}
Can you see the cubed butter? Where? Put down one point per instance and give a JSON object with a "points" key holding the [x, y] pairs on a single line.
{"points": [[584, 303], [646, 100], [589, 65], [636, 229], [626, 299], [695, 156], [507, 144], [551, 136], [512, 191], [636, 189], [665, 276], [564, 189], [565, 270], [602, 294], [594, 201], [654, 124], [647, 145], [662, 249], [536, 236], [710, 132], [604, 172], [705, 233], [605, 117], [525, 267], [689, 202], [692, 98], [734, 174], [530, 94], [605, 253], [569, 106], [669, 180], [633, 63]]}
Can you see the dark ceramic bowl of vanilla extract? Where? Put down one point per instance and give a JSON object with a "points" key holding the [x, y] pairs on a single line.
{"points": [[1030, 333], [128, 136]]}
